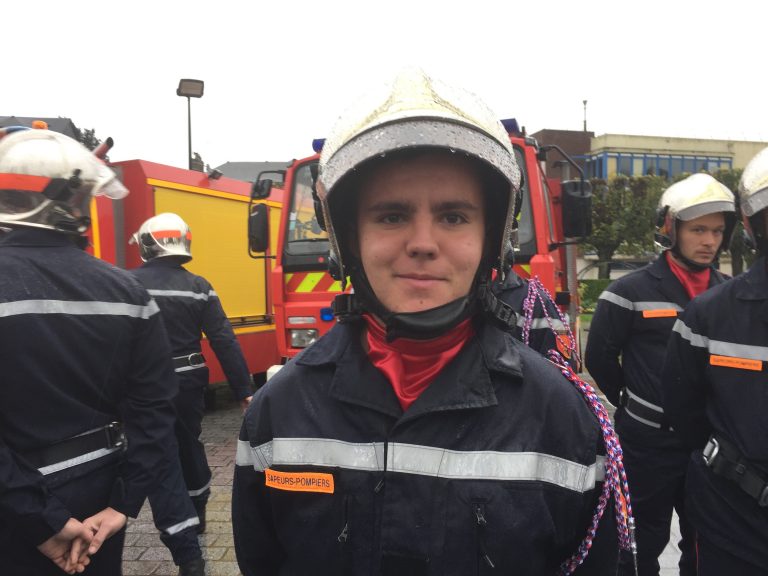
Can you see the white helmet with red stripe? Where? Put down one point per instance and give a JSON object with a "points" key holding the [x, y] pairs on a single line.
{"points": [[47, 180], [164, 235]]}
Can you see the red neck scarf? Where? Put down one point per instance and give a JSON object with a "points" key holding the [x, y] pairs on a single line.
{"points": [[411, 365], [694, 281]]}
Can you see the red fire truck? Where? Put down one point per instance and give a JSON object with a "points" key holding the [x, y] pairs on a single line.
{"points": [[554, 216], [214, 208]]}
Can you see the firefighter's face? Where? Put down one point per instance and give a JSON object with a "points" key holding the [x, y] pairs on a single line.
{"points": [[421, 227], [700, 239]]}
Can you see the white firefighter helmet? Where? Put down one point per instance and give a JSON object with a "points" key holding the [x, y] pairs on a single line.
{"points": [[690, 198], [416, 111], [753, 199], [47, 180], [164, 235]]}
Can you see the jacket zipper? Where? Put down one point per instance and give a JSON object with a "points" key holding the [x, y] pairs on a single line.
{"points": [[481, 527], [344, 534]]}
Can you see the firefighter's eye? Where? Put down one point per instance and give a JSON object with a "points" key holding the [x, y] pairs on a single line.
{"points": [[454, 218], [391, 218]]}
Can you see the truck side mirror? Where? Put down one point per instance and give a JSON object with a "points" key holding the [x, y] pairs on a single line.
{"points": [[261, 189], [577, 208], [258, 228]]}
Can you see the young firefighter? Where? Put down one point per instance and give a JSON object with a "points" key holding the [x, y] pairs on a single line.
{"points": [[418, 437], [625, 352], [190, 307], [716, 397], [87, 383]]}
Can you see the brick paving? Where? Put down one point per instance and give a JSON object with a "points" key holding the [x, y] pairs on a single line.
{"points": [[145, 555]]}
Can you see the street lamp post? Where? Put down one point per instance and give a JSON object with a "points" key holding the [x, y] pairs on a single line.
{"points": [[190, 89], [585, 115]]}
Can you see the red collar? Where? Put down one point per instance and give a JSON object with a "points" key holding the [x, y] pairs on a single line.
{"points": [[411, 365], [694, 281]]}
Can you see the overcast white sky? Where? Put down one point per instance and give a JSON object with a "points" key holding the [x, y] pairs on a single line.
{"points": [[278, 72]]}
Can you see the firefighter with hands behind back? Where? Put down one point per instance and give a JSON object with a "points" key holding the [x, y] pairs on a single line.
{"points": [[418, 437], [716, 397], [85, 403], [190, 307], [625, 351]]}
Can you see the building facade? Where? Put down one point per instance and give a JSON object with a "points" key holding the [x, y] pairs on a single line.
{"points": [[610, 155]]}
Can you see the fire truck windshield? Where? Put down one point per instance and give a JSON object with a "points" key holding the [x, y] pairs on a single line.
{"points": [[526, 239], [306, 244]]}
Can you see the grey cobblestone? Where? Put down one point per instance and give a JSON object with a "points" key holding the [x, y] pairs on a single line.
{"points": [[145, 555]]}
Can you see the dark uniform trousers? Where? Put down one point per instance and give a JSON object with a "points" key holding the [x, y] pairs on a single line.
{"points": [[81, 346], [190, 409], [715, 386], [190, 307], [494, 469], [625, 353]]}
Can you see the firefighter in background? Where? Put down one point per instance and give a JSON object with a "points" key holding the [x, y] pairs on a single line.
{"points": [[716, 397], [625, 352], [418, 436], [548, 330], [86, 410], [189, 307]]}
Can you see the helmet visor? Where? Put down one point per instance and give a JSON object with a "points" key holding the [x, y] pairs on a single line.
{"points": [[107, 184]]}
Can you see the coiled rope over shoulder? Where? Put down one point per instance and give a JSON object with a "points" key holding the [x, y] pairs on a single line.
{"points": [[615, 483]]}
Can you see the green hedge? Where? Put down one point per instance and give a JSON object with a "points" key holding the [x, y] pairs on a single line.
{"points": [[590, 290]]}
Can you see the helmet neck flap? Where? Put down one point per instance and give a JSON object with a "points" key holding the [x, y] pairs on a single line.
{"points": [[426, 324]]}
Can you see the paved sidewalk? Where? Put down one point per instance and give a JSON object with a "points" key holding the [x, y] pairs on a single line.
{"points": [[145, 555]]}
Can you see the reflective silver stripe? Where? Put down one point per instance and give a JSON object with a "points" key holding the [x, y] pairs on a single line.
{"points": [[422, 460], [687, 334], [720, 347], [638, 306], [77, 308], [182, 294], [176, 528], [616, 299], [89, 457], [640, 419], [200, 490], [645, 403], [657, 306], [542, 323], [244, 454], [187, 368]]}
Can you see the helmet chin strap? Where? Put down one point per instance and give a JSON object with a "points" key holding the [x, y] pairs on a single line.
{"points": [[423, 325], [695, 266]]}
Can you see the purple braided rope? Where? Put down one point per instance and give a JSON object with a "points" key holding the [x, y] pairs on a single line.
{"points": [[537, 292], [615, 482], [615, 476]]}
